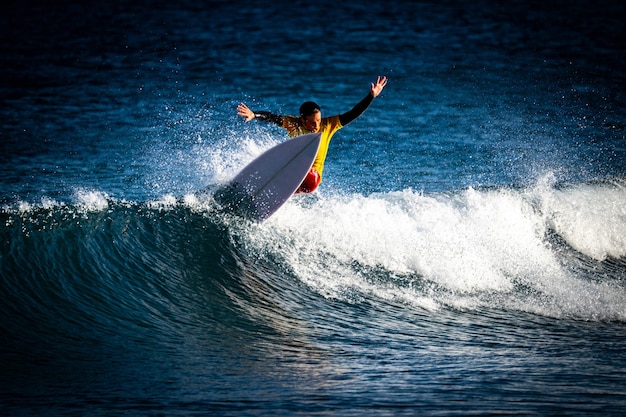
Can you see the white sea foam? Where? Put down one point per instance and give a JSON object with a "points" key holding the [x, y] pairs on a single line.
{"points": [[89, 200], [591, 218], [487, 247], [166, 201]]}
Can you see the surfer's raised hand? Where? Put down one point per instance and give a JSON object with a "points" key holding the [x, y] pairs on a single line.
{"points": [[245, 112], [377, 88]]}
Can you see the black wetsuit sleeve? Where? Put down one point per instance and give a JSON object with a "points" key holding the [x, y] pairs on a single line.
{"points": [[269, 117], [356, 111]]}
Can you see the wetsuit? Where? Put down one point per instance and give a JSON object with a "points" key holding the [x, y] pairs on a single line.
{"points": [[328, 127]]}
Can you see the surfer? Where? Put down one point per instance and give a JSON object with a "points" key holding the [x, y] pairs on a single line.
{"points": [[311, 121]]}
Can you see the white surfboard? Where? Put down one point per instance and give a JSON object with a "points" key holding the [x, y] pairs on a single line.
{"points": [[265, 184]]}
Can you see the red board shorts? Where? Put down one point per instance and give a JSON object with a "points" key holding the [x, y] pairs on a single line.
{"points": [[310, 183]]}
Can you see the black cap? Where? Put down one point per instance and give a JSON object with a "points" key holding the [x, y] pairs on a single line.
{"points": [[308, 108]]}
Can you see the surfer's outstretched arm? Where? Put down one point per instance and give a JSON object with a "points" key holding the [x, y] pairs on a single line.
{"points": [[247, 114], [375, 90]]}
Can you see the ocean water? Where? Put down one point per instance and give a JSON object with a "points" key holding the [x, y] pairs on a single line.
{"points": [[465, 254]]}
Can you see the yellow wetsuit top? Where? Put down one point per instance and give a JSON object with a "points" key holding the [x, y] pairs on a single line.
{"points": [[328, 127]]}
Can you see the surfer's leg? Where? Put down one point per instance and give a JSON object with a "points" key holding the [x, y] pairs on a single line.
{"points": [[310, 183]]}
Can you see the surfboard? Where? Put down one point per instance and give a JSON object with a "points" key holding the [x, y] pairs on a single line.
{"points": [[267, 182]]}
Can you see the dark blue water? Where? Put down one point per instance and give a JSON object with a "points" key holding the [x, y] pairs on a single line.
{"points": [[465, 254]]}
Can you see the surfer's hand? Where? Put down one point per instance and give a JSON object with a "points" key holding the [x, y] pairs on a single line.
{"points": [[245, 112], [377, 88]]}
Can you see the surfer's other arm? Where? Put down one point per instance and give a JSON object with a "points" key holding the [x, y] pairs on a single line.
{"points": [[245, 112], [375, 90]]}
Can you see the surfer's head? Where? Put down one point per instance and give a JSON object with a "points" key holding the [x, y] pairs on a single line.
{"points": [[308, 108], [311, 115]]}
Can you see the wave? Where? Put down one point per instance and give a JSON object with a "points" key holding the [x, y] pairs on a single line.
{"points": [[167, 265], [552, 251]]}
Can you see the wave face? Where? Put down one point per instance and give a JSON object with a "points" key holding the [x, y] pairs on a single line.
{"points": [[495, 248]]}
